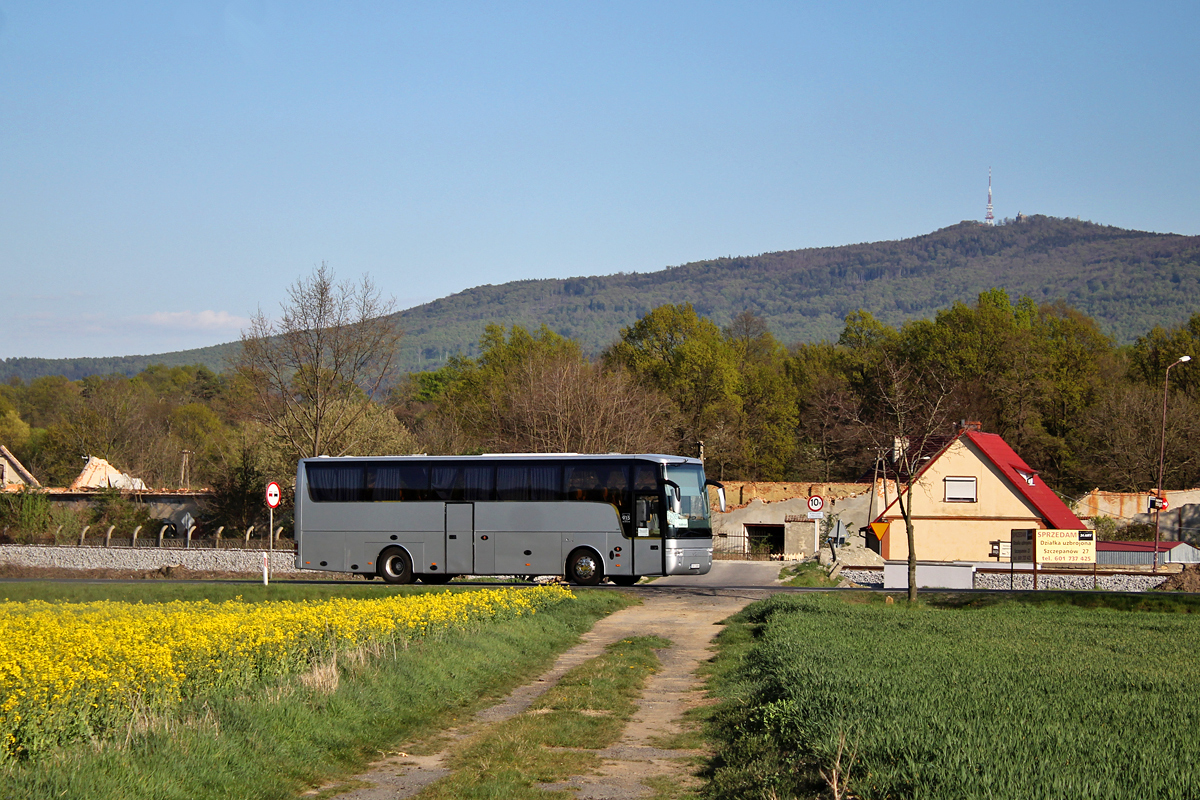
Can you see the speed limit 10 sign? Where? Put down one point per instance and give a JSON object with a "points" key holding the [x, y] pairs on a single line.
{"points": [[816, 503], [273, 495]]}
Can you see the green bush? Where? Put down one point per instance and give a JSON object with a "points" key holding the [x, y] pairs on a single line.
{"points": [[66, 522], [25, 514], [111, 507]]}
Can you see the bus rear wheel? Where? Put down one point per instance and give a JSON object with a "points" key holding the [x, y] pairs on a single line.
{"points": [[395, 566], [584, 568], [624, 580]]}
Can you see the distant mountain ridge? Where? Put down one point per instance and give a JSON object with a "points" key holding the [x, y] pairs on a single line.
{"points": [[1128, 280]]}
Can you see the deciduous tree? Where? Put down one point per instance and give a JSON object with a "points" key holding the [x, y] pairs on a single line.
{"points": [[908, 417], [683, 355], [317, 370]]}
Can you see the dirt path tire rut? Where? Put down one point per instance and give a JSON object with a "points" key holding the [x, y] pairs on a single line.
{"points": [[686, 617]]}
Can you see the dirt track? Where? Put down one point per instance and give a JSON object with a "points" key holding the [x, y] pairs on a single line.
{"points": [[689, 617]]}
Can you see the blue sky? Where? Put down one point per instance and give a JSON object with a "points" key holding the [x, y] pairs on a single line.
{"points": [[168, 168]]}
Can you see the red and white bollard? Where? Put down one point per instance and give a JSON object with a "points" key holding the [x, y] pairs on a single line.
{"points": [[265, 567]]}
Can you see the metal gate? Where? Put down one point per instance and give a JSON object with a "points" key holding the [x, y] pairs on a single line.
{"points": [[751, 543]]}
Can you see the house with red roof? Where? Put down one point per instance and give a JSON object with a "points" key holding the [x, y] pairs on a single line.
{"points": [[973, 491]]}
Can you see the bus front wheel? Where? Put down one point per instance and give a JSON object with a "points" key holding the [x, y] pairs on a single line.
{"points": [[584, 568], [395, 566]]}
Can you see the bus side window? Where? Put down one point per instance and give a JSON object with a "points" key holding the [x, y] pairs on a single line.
{"points": [[616, 487], [442, 480], [477, 484], [645, 479], [544, 483], [512, 483], [536, 482], [391, 482], [337, 483], [598, 483], [581, 483]]}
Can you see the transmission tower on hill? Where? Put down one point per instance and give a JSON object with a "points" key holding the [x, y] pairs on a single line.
{"points": [[988, 219]]}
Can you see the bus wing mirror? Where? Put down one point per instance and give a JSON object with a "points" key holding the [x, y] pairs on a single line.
{"points": [[720, 493], [675, 496]]}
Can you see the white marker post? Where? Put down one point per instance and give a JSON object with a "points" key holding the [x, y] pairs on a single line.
{"points": [[273, 496]]}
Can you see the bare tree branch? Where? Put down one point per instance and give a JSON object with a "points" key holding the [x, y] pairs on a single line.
{"points": [[909, 419], [318, 369]]}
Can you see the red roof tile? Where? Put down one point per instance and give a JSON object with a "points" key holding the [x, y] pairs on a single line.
{"points": [[1043, 499]]}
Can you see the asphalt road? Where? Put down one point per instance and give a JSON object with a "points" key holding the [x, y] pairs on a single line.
{"points": [[729, 573]]}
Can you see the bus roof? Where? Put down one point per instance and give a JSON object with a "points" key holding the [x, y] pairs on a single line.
{"points": [[657, 458]]}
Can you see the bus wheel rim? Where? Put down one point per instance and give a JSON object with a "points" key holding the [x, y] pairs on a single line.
{"points": [[585, 567]]}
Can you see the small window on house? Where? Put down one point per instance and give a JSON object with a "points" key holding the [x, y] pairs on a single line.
{"points": [[960, 490]]}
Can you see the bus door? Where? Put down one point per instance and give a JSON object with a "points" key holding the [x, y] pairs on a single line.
{"points": [[460, 539], [645, 530]]}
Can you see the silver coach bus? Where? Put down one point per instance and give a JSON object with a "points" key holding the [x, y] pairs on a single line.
{"points": [[587, 517]]}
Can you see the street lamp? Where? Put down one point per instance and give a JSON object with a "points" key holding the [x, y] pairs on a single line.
{"points": [[1162, 449]]}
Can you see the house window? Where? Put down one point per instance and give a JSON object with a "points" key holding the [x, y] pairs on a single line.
{"points": [[960, 490]]}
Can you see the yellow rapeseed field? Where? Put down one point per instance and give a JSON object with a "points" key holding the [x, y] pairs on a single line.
{"points": [[78, 671]]}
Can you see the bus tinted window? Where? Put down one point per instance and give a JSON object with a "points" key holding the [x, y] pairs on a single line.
{"points": [[477, 483], [468, 483], [545, 483], [512, 482], [337, 483], [441, 484], [536, 482], [597, 483], [645, 478], [391, 481]]}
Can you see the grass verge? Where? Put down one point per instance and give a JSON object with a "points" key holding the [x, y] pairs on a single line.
{"points": [[956, 697], [806, 573], [278, 741], [215, 591], [586, 710]]}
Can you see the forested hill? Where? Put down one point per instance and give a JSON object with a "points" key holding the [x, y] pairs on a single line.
{"points": [[1129, 281]]}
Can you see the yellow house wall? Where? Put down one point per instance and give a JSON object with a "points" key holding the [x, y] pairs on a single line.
{"points": [[959, 531]]}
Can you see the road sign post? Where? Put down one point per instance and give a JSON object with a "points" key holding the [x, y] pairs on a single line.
{"points": [[273, 495], [816, 504]]}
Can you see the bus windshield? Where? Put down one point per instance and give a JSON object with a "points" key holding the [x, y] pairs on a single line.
{"points": [[693, 518]]}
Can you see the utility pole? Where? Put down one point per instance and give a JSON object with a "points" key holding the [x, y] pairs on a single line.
{"points": [[185, 474], [1162, 451]]}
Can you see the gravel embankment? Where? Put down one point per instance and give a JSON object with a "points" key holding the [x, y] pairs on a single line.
{"points": [[1024, 581], [1107, 583], [871, 578], [144, 558]]}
